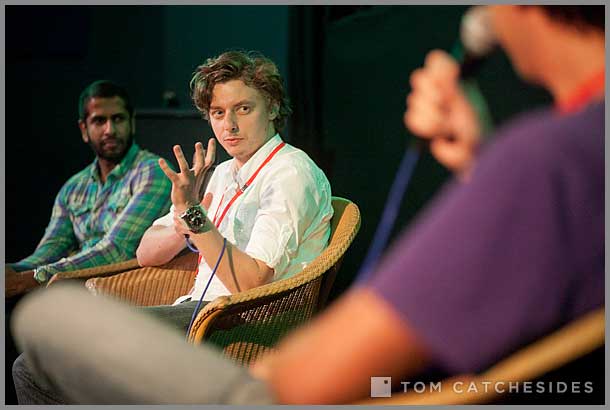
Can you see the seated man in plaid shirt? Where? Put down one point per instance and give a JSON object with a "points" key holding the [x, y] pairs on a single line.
{"points": [[100, 213]]}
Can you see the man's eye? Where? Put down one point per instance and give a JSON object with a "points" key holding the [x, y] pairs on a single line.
{"points": [[217, 114], [118, 118], [244, 109], [98, 121]]}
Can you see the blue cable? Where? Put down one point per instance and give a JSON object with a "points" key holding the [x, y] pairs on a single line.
{"points": [[189, 244], [222, 251], [401, 181]]}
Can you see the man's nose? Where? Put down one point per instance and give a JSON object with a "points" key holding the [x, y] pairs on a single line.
{"points": [[110, 127], [231, 123]]}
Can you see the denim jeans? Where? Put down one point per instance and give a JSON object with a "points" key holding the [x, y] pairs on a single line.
{"points": [[81, 349]]}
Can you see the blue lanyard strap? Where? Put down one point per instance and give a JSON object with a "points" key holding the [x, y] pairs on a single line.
{"points": [[222, 251], [397, 191]]}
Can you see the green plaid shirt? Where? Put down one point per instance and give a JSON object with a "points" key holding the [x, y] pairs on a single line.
{"points": [[95, 223]]}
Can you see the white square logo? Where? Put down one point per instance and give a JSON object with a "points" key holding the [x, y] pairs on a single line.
{"points": [[381, 387]]}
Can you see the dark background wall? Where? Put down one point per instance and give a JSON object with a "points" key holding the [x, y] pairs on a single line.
{"points": [[368, 58], [53, 52], [347, 69]]}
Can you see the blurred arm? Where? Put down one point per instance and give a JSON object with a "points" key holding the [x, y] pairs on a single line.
{"points": [[332, 359]]}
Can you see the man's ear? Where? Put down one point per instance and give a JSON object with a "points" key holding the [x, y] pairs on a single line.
{"points": [[274, 111], [83, 131]]}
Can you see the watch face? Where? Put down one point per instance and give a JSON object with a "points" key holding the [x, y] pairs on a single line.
{"points": [[195, 219]]}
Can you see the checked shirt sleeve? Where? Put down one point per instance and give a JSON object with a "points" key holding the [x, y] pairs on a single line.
{"points": [[151, 199], [58, 240]]}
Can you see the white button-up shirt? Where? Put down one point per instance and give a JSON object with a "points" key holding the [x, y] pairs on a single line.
{"points": [[282, 218]]}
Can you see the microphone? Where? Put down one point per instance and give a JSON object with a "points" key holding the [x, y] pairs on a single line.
{"points": [[477, 40]]}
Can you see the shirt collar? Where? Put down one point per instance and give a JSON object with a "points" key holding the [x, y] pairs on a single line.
{"points": [[121, 168], [583, 94], [241, 175]]}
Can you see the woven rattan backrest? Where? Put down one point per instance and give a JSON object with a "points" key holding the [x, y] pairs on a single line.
{"points": [[344, 226], [246, 326], [246, 330]]}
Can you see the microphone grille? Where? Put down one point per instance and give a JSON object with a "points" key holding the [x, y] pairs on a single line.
{"points": [[476, 32]]}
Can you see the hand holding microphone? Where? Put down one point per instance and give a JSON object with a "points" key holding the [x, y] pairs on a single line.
{"points": [[437, 108]]}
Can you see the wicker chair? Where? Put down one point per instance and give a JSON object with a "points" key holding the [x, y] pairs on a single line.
{"points": [[244, 324], [151, 285], [102, 270], [583, 339]]}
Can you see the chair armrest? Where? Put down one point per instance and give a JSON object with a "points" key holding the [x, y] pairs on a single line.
{"points": [[103, 270], [559, 348], [152, 285], [148, 286]]}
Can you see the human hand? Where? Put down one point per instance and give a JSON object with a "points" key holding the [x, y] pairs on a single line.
{"points": [[55, 278], [208, 157], [186, 185], [261, 368], [17, 283], [10, 282], [439, 111]]}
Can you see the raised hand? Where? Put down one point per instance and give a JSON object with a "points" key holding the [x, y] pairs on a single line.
{"points": [[438, 110], [12, 283], [17, 283], [206, 158], [187, 184]]}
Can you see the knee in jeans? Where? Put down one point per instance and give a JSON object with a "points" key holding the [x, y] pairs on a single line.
{"points": [[20, 368], [22, 374]]}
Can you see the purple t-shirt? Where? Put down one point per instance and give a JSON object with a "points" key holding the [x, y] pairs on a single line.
{"points": [[515, 253]]}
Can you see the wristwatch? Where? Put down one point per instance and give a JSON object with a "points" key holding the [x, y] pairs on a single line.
{"points": [[195, 218], [40, 275]]}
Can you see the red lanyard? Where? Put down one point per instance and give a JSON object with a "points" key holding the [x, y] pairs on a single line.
{"points": [[240, 190], [583, 94]]}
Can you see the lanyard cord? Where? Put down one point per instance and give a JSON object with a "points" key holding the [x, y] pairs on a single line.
{"points": [[222, 251], [382, 233], [240, 190], [237, 195], [583, 94]]}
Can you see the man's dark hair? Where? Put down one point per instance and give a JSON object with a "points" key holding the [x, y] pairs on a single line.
{"points": [[102, 89], [582, 17], [253, 69]]}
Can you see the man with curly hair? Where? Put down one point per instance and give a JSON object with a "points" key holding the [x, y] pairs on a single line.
{"points": [[265, 213]]}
